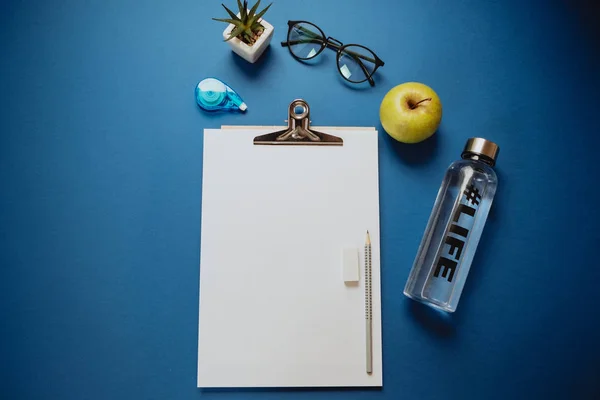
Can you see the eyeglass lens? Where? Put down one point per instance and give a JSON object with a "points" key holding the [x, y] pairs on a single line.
{"points": [[356, 63], [305, 41]]}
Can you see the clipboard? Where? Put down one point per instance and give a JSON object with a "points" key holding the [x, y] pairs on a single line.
{"points": [[284, 213]]}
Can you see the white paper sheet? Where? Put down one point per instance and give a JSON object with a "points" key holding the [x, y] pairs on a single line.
{"points": [[274, 309]]}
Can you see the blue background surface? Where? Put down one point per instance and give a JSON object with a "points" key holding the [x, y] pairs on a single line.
{"points": [[101, 167]]}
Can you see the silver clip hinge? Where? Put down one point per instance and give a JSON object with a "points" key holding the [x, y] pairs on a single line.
{"points": [[298, 131]]}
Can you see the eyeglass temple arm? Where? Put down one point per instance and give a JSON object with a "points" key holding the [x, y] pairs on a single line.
{"points": [[319, 39], [294, 42], [331, 45]]}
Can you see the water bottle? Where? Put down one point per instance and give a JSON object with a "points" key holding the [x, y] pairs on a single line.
{"points": [[444, 257]]}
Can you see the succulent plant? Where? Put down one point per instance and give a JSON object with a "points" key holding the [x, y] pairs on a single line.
{"points": [[247, 26]]}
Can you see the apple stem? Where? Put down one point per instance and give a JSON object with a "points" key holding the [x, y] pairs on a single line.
{"points": [[413, 106]]}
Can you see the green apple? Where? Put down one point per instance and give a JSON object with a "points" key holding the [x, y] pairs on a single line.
{"points": [[411, 112]]}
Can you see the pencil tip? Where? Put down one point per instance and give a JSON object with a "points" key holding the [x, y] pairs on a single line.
{"points": [[368, 238]]}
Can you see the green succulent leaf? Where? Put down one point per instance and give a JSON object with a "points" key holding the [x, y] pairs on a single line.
{"points": [[253, 9], [227, 20], [243, 14], [235, 32], [231, 13], [260, 14]]}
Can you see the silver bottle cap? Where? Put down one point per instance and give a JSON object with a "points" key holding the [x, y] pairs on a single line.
{"points": [[481, 149]]}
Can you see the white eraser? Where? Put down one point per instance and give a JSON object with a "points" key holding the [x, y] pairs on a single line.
{"points": [[350, 265]]}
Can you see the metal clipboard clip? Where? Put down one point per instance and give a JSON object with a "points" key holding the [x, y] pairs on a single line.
{"points": [[298, 131]]}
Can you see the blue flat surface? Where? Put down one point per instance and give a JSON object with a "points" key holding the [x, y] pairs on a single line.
{"points": [[101, 173]]}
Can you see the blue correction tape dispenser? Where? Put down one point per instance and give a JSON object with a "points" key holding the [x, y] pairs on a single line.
{"points": [[214, 95]]}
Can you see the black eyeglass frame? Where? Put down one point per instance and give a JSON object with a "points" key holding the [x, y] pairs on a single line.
{"points": [[332, 43]]}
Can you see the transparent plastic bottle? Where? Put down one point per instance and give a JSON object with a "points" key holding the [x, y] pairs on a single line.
{"points": [[454, 228]]}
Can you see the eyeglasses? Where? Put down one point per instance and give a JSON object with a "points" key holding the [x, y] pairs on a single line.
{"points": [[355, 63]]}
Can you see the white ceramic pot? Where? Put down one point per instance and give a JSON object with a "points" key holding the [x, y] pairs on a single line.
{"points": [[250, 53]]}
